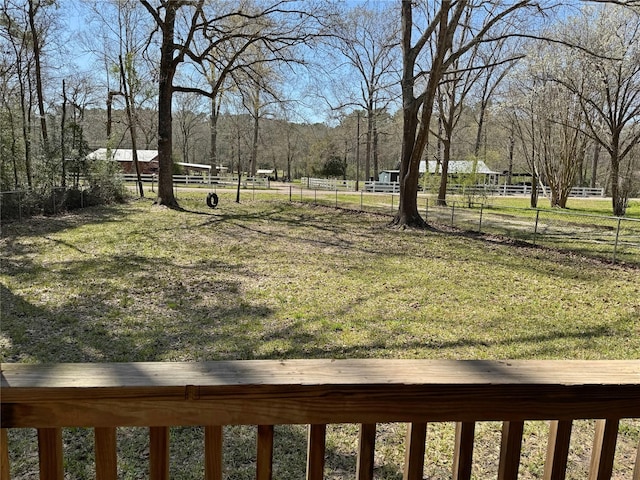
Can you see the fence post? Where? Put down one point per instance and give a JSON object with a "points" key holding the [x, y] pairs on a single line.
{"points": [[453, 209], [426, 209], [392, 201], [290, 193], [615, 245], [535, 230], [480, 224]]}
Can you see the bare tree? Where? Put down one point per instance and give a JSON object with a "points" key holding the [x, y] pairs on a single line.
{"points": [[607, 83], [256, 86], [562, 146], [26, 28], [17, 72], [549, 120], [367, 38], [463, 73], [203, 32], [498, 58], [35, 10], [188, 118], [172, 53], [419, 84]]}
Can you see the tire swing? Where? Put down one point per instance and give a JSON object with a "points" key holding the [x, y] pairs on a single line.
{"points": [[212, 200]]}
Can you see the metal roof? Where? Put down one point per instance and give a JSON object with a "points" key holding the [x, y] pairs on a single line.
{"points": [[458, 166], [124, 155], [194, 165]]}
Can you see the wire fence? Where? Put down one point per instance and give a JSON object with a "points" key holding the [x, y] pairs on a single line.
{"points": [[612, 238], [16, 205], [19, 204], [607, 237]]}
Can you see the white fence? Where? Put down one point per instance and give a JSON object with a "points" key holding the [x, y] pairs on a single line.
{"points": [[258, 182], [488, 190], [383, 187], [523, 190], [328, 184]]}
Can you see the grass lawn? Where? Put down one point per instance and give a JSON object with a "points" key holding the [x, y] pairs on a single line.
{"points": [[268, 279], [586, 226]]}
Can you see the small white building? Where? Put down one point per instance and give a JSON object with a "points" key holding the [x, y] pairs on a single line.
{"points": [[461, 168], [264, 173], [195, 168]]}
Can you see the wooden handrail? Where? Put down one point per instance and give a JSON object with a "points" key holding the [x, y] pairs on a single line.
{"points": [[317, 393]]}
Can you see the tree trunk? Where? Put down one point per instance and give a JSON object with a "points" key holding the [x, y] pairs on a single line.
{"points": [[239, 181], [213, 156], [512, 146], [35, 41], [478, 144], [376, 166], [408, 214], [165, 94], [109, 116], [289, 155], [358, 153], [533, 200], [62, 137], [618, 196], [369, 136], [442, 192], [416, 129], [132, 127], [26, 131], [14, 149], [254, 143], [594, 164]]}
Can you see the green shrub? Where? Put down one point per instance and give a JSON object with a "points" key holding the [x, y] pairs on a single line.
{"points": [[105, 183]]}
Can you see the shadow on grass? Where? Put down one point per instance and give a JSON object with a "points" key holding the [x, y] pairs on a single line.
{"points": [[52, 224], [133, 308]]}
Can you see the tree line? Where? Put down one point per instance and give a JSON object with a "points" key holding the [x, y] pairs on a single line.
{"points": [[325, 87]]}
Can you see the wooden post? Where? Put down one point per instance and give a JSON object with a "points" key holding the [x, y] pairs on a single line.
{"points": [[159, 453], [4, 455], [604, 449], [510, 450], [50, 451], [213, 452], [315, 452], [264, 463], [366, 451], [106, 455], [463, 453], [414, 457], [636, 470], [555, 466]]}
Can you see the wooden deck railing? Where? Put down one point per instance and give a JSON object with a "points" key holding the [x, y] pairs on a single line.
{"points": [[317, 393]]}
